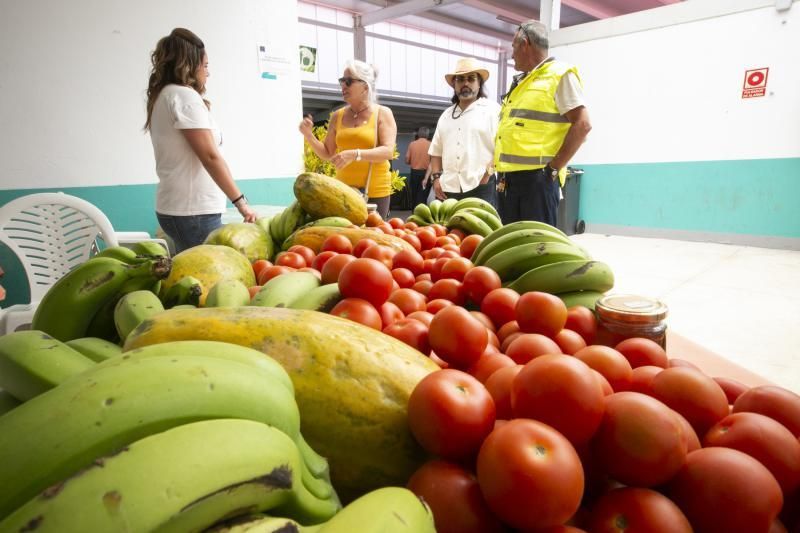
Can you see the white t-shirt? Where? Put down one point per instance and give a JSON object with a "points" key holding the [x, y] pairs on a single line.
{"points": [[465, 144], [185, 188]]}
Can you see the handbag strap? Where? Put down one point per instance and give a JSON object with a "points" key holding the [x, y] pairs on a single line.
{"points": [[369, 173]]}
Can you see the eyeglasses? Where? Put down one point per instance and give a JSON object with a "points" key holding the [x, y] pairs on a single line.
{"points": [[471, 78], [349, 81]]}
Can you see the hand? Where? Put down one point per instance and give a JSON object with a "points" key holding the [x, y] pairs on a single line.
{"points": [[247, 214], [343, 158], [438, 192], [307, 126]]}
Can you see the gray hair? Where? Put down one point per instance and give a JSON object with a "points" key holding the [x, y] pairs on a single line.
{"points": [[423, 132], [535, 33], [365, 72]]}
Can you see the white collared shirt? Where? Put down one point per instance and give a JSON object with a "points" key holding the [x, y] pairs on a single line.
{"points": [[465, 144]]}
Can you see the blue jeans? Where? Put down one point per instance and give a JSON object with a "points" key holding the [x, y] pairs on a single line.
{"points": [[188, 231]]}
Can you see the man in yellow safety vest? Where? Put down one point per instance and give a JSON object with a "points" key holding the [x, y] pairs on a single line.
{"points": [[543, 122]]}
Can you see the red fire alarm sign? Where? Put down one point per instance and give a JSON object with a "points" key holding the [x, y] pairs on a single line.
{"points": [[755, 83]]}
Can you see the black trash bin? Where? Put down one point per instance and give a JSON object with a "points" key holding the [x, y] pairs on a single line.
{"points": [[567, 217]]}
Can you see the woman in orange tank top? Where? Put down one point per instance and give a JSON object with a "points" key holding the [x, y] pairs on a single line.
{"points": [[361, 136]]}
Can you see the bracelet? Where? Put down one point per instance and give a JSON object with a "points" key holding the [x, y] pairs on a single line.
{"points": [[435, 176], [239, 199], [358, 154]]}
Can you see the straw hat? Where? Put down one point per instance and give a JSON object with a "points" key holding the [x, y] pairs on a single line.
{"points": [[465, 65]]}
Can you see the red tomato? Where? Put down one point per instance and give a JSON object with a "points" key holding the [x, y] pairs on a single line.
{"points": [[333, 267], [390, 314], [642, 352], [454, 497], [259, 265], [562, 392], [422, 286], [541, 312], [427, 238], [639, 442], [360, 311], [511, 337], [480, 281], [457, 234], [569, 341], [449, 289], [440, 230], [381, 253], [487, 364], [423, 316], [609, 362], [436, 305], [500, 305], [642, 378], [682, 362], [290, 259], [721, 489], [450, 413], [507, 329], [453, 248], [764, 439], [528, 346], [456, 268], [485, 320], [631, 509], [457, 337], [408, 259], [530, 475], [433, 253], [732, 388], [271, 272], [320, 260], [404, 277], [687, 432], [253, 290], [362, 245], [582, 320], [693, 394], [374, 219], [396, 222], [411, 226], [410, 331], [499, 386], [436, 269], [468, 245], [413, 240], [408, 300], [604, 384], [368, 279], [775, 402], [337, 243], [307, 253]]}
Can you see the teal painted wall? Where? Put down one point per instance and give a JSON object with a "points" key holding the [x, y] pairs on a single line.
{"points": [[752, 197], [129, 208]]}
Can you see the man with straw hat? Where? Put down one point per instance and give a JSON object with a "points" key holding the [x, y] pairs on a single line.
{"points": [[463, 145]]}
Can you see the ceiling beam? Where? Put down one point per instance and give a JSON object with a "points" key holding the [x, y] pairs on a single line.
{"points": [[593, 8], [409, 7], [501, 9]]}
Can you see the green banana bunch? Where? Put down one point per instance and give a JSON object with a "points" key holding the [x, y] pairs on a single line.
{"points": [[283, 224], [435, 206], [102, 323], [283, 290], [322, 298], [228, 292], [513, 262], [417, 220], [514, 226], [330, 222], [472, 202], [566, 276], [491, 220], [205, 471], [121, 253], [67, 309], [95, 348], [133, 309], [187, 290], [516, 238], [149, 248], [447, 208], [423, 212], [103, 409], [468, 223], [33, 362], [7, 402]]}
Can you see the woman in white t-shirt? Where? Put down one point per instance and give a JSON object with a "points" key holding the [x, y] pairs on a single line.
{"points": [[193, 178]]}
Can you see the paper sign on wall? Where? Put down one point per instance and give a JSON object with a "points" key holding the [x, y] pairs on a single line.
{"points": [[755, 83], [272, 62]]}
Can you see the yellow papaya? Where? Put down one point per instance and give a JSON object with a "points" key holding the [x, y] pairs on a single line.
{"points": [[314, 236], [352, 383], [323, 196]]}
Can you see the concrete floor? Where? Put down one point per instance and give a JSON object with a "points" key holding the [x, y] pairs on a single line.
{"points": [[740, 302]]}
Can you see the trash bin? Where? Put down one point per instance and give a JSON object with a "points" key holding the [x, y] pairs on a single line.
{"points": [[567, 218]]}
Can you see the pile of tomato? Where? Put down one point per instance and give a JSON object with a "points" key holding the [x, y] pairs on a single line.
{"points": [[535, 428]]}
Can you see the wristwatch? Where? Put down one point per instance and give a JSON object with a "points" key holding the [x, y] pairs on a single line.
{"points": [[550, 171], [358, 154]]}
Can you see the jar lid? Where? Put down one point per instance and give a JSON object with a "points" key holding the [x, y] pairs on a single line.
{"points": [[631, 308]]}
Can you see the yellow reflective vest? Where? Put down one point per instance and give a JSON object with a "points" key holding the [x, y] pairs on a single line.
{"points": [[531, 129]]}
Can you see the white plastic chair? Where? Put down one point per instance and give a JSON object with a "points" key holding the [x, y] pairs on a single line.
{"points": [[50, 233]]}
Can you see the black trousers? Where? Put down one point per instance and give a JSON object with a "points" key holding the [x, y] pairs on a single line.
{"points": [[528, 195], [419, 195], [487, 191]]}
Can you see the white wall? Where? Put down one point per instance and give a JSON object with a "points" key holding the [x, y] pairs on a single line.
{"points": [[73, 79], [666, 84]]}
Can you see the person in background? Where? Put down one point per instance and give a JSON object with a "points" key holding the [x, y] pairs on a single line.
{"points": [[193, 177], [361, 136], [543, 122], [418, 160], [463, 145]]}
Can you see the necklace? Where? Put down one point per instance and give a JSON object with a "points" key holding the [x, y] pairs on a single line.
{"points": [[356, 113], [454, 112]]}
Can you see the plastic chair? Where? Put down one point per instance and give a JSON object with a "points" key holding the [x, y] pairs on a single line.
{"points": [[50, 233]]}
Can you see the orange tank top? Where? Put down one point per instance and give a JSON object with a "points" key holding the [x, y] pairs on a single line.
{"points": [[355, 174]]}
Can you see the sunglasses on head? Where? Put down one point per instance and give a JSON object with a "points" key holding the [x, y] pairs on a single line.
{"points": [[349, 81], [472, 78]]}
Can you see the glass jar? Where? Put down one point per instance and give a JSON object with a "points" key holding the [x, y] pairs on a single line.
{"points": [[623, 316]]}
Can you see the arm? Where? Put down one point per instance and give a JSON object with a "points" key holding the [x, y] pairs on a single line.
{"points": [[324, 150], [384, 151], [203, 145], [435, 169], [580, 128], [408, 154]]}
